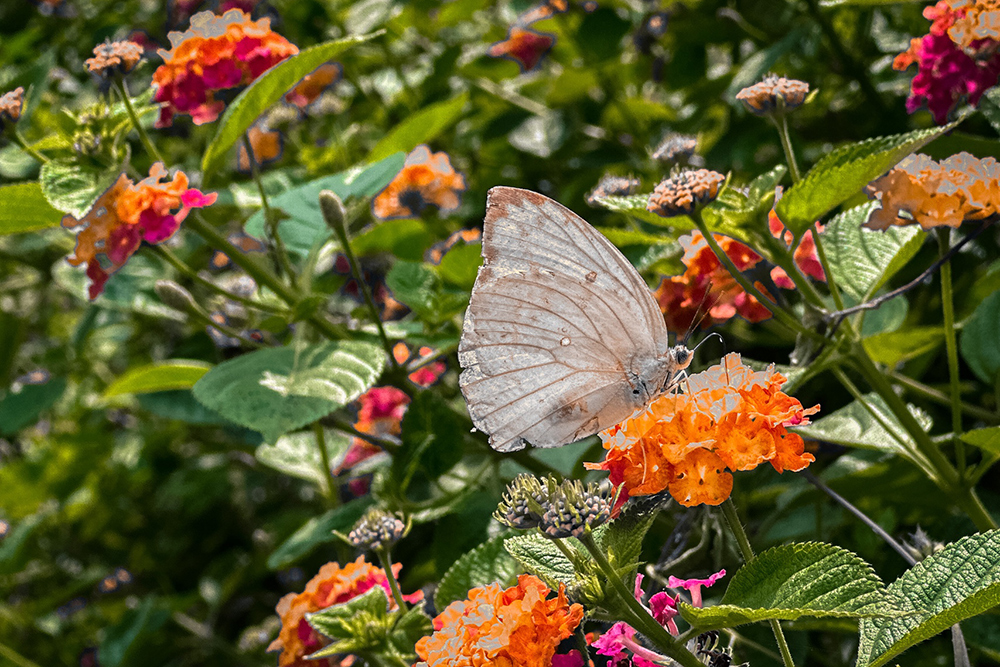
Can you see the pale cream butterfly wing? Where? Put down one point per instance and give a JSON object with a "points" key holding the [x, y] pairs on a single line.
{"points": [[562, 338]]}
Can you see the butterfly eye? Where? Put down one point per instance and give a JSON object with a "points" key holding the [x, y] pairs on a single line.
{"points": [[635, 392]]}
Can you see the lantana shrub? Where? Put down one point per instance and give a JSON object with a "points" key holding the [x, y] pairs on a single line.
{"points": [[238, 244]]}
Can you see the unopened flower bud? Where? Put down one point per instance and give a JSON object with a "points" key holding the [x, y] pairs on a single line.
{"points": [[114, 58], [376, 530], [176, 296], [675, 146], [11, 104], [333, 209], [764, 97], [682, 193], [573, 508], [617, 186], [523, 503]]}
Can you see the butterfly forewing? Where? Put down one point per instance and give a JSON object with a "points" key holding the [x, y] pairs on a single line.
{"points": [[557, 317]]}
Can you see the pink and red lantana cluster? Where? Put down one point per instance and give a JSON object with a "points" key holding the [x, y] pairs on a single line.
{"points": [[217, 53], [959, 58], [127, 214]]}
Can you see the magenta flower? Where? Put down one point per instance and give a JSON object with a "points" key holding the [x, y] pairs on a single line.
{"points": [[693, 586]]}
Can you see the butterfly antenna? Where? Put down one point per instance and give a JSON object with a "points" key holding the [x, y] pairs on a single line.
{"points": [[700, 314]]}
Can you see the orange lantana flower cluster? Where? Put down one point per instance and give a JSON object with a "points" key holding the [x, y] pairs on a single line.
{"points": [[707, 281], [920, 190], [127, 214], [729, 417], [516, 627], [332, 585], [425, 179], [217, 53]]}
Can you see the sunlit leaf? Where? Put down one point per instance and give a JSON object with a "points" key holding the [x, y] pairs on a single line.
{"points": [[25, 209], [421, 127], [487, 563], [161, 376]]}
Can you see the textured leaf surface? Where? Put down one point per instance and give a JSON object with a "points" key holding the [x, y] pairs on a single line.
{"points": [[72, 189], [298, 455], [960, 581], [266, 90], [987, 439], [318, 530], [854, 425], [795, 580], [23, 208], [894, 347], [162, 376], [305, 224], [980, 339], [842, 173], [277, 390], [541, 557], [862, 260], [487, 563], [421, 127]]}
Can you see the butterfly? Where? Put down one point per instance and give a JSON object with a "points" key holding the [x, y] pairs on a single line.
{"points": [[562, 338]]}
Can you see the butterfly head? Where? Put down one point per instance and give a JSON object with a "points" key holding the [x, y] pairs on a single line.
{"points": [[681, 357]]}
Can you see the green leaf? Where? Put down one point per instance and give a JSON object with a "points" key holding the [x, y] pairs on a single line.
{"points": [[894, 347], [277, 390], [622, 539], [181, 405], [795, 580], [862, 260], [305, 224], [71, 188], [487, 563], [161, 376], [635, 206], [844, 172], [958, 582], [120, 639], [23, 408], [431, 438], [318, 530], [404, 239], [25, 209], [731, 214], [331, 621], [987, 439], [419, 287], [541, 557], [298, 455], [460, 265], [421, 127], [855, 426], [266, 90], [980, 339], [989, 106]]}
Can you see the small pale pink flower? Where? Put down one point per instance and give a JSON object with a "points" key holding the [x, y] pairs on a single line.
{"points": [[693, 586]]}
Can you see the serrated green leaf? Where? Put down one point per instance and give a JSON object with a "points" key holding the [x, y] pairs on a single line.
{"points": [[23, 408], [71, 188], [542, 558], [419, 287], [330, 621], [266, 90], [960, 581], [318, 530], [487, 563], [24, 208], [161, 376], [855, 426], [795, 580], [842, 174], [421, 127], [980, 339], [277, 390], [895, 347], [761, 190], [862, 260], [305, 224], [989, 106], [987, 439], [298, 455], [622, 539]]}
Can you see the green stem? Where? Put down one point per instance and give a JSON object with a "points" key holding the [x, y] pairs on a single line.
{"points": [[20, 141], [282, 264], [831, 282], [397, 595], [642, 620], [324, 454], [729, 511], [950, 481], [779, 313], [941, 398], [16, 658], [345, 427], [179, 264], [780, 120], [948, 308], [259, 273], [146, 141], [333, 212]]}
